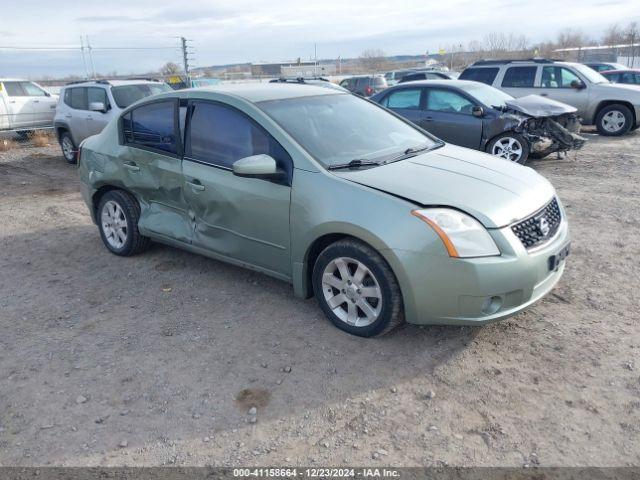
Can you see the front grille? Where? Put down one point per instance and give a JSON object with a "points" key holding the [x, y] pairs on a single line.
{"points": [[540, 226]]}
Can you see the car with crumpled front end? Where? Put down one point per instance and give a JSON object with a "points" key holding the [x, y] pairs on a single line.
{"points": [[376, 218], [475, 115]]}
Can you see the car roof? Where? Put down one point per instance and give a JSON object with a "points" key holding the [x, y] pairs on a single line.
{"points": [[461, 84], [14, 80], [113, 83], [632, 70], [260, 92]]}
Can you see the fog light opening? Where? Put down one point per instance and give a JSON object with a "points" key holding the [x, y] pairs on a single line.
{"points": [[491, 305]]}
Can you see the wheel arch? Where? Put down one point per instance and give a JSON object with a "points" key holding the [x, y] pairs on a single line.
{"points": [[100, 192], [606, 103]]}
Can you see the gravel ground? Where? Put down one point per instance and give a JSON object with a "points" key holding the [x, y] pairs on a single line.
{"points": [[159, 359]]}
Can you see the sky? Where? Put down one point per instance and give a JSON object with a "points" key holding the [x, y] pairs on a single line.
{"points": [[252, 30]]}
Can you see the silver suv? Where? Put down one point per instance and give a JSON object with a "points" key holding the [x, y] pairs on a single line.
{"points": [[613, 108], [85, 108]]}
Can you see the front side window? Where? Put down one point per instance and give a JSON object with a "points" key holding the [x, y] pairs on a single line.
{"points": [[14, 89], [221, 135], [127, 95], [338, 128], [97, 95], [484, 75], [519, 77], [32, 90], [78, 98], [630, 77], [448, 101], [557, 77], [152, 126], [406, 98]]}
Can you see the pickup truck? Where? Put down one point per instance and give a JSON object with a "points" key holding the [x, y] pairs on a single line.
{"points": [[25, 106]]}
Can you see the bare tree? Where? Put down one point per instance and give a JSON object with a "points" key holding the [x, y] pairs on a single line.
{"points": [[632, 36], [570, 38], [613, 35], [170, 68], [373, 60]]}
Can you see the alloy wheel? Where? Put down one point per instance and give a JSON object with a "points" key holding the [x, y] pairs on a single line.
{"points": [[114, 224], [352, 292], [508, 148], [67, 149], [613, 121]]}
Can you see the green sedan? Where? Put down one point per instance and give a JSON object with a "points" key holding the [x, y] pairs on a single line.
{"points": [[378, 219]]}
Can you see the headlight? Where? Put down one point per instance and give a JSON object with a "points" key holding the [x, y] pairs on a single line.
{"points": [[462, 235]]}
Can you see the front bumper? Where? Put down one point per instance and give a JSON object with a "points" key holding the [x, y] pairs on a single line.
{"points": [[439, 290]]}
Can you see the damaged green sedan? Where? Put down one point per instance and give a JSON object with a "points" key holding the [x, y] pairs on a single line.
{"points": [[379, 220]]}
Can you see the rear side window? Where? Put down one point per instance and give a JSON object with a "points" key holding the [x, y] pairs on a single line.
{"points": [[76, 98], [519, 77], [406, 98], [220, 135], [630, 77], [14, 89], [152, 126], [484, 75]]}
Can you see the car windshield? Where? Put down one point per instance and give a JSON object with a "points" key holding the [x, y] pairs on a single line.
{"points": [[489, 96], [590, 74], [338, 128], [126, 95]]}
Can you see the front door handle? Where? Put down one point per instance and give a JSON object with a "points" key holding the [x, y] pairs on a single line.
{"points": [[544, 94], [428, 119], [196, 186], [132, 167], [36, 101]]}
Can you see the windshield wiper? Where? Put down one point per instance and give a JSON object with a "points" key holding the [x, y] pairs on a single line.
{"points": [[357, 163], [412, 151]]}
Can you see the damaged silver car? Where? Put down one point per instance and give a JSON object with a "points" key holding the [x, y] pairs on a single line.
{"points": [[475, 115]]}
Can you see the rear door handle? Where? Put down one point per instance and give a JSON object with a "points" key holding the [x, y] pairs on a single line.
{"points": [[196, 185], [36, 101], [428, 119], [68, 116], [132, 167], [544, 94]]}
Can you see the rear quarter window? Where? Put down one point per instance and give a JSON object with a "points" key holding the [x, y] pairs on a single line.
{"points": [[519, 77], [484, 75]]}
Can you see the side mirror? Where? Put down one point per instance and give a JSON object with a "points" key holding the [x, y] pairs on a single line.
{"points": [[577, 84], [97, 107], [477, 111], [258, 166]]}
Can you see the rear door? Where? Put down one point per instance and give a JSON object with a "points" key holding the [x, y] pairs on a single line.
{"points": [[448, 115], [246, 219], [76, 99], [20, 112], [519, 81], [407, 102], [44, 105], [151, 168]]}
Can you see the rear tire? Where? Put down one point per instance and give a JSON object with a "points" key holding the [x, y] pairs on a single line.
{"points": [[69, 149], [357, 290], [614, 120], [510, 146], [117, 217]]}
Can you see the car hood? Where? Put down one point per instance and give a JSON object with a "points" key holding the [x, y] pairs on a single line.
{"points": [[537, 106], [625, 91], [495, 191]]}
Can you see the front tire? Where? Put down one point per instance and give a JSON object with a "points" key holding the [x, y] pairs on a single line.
{"points": [[357, 290], [614, 120], [117, 215], [510, 146], [69, 149]]}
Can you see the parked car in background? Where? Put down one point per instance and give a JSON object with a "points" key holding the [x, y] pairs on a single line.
{"points": [[475, 115], [428, 75], [393, 78], [364, 85], [25, 106], [317, 81], [379, 220], [628, 77], [613, 108], [85, 108], [605, 66]]}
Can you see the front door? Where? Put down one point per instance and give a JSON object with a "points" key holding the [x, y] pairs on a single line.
{"points": [[555, 83], [151, 167], [448, 115], [95, 120], [245, 219], [19, 106], [44, 105]]}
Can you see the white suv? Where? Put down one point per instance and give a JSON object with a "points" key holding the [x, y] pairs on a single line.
{"points": [[25, 106], [612, 107], [85, 108]]}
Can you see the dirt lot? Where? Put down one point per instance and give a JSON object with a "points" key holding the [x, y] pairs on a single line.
{"points": [[155, 360]]}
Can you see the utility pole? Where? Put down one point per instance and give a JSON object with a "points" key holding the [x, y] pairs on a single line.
{"points": [[93, 67], [185, 58]]}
